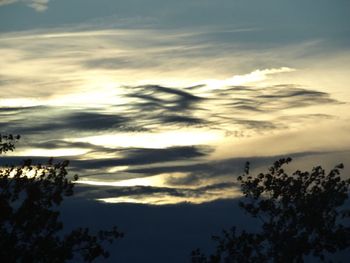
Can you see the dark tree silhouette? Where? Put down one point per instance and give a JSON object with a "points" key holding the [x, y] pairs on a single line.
{"points": [[301, 215], [30, 229]]}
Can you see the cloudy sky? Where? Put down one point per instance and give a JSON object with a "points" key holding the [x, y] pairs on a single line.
{"points": [[162, 102], [174, 95]]}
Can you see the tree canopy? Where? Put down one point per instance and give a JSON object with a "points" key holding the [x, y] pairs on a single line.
{"points": [[301, 214], [30, 227]]}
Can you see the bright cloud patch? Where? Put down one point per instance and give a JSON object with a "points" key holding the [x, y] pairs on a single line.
{"points": [[255, 76]]}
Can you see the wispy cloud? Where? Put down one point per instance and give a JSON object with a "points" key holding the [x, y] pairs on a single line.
{"points": [[7, 2], [130, 104], [160, 195], [38, 5], [255, 76]]}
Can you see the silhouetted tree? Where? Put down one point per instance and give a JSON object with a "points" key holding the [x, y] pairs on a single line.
{"points": [[30, 229], [301, 215]]}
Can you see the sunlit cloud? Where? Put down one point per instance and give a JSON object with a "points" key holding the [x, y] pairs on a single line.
{"points": [[165, 200], [169, 113], [238, 80], [165, 196], [158, 180], [147, 181], [157, 140], [118, 169], [19, 102], [51, 152]]}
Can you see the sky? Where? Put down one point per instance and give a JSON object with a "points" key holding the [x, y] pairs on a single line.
{"points": [[161, 103]]}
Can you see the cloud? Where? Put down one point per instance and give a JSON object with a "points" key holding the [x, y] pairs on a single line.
{"points": [[143, 191], [165, 97], [38, 5], [195, 180], [276, 98], [238, 111], [129, 104], [7, 2], [202, 183], [161, 195], [225, 170], [255, 76], [120, 62], [42, 119], [144, 156], [107, 158], [203, 172]]}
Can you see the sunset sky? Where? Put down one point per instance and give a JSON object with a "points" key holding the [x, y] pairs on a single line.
{"points": [[162, 102]]}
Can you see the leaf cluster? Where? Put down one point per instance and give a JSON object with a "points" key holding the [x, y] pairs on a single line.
{"points": [[301, 214], [30, 227], [7, 142]]}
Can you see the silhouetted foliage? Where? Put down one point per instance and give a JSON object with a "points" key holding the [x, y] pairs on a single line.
{"points": [[7, 142], [301, 214], [30, 229]]}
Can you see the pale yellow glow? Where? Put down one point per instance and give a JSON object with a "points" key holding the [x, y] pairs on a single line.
{"points": [[154, 200], [146, 181], [19, 102], [162, 199], [51, 152], [158, 180], [315, 137], [158, 140], [99, 90], [117, 169], [43, 34]]}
